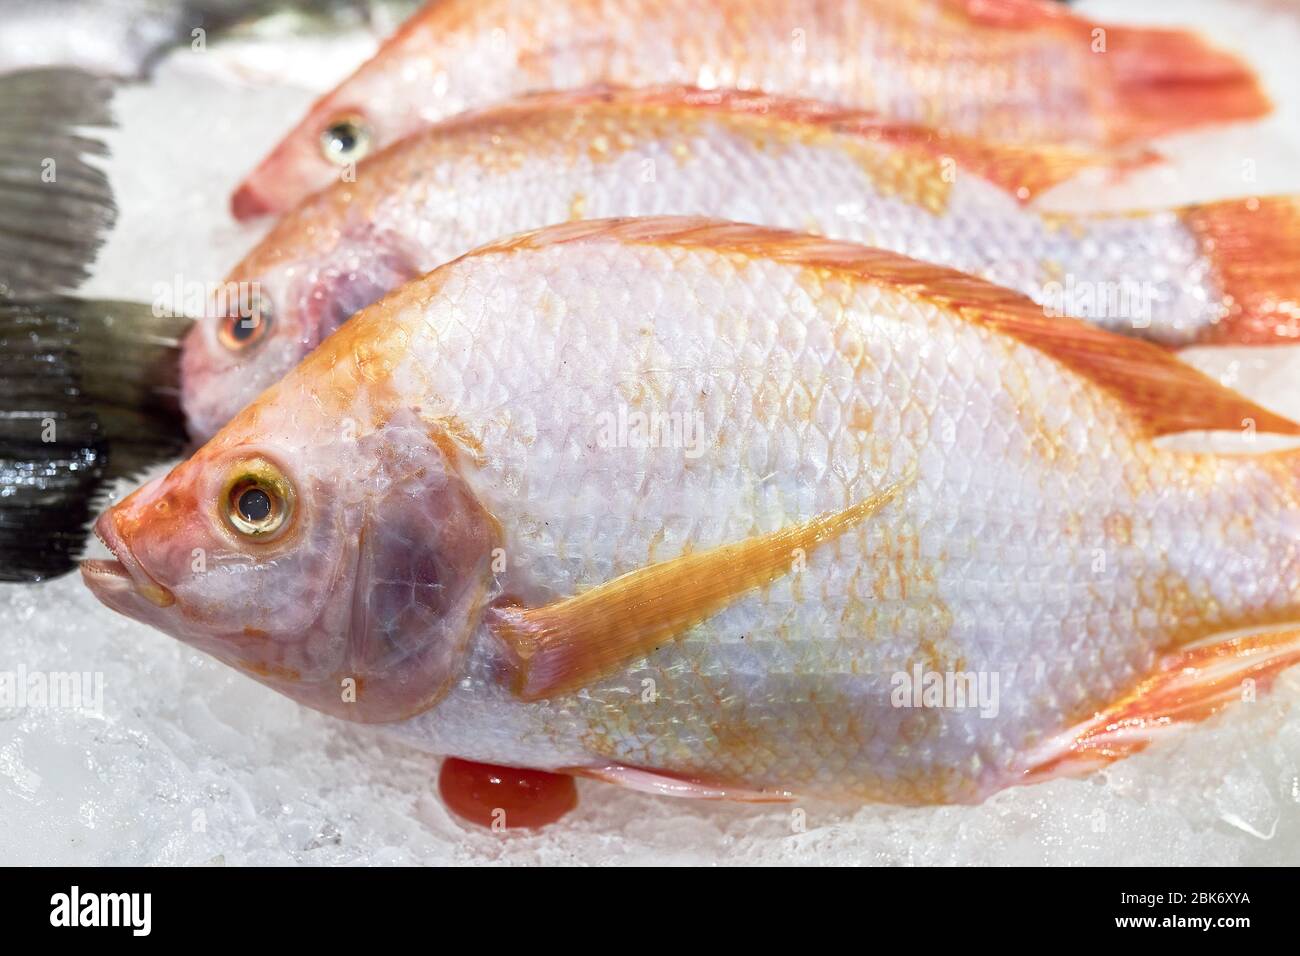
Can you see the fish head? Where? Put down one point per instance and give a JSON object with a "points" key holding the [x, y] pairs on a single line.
{"points": [[275, 308], [324, 542], [252, 332], [366, 113]]}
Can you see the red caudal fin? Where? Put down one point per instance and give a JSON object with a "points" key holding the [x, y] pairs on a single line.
{"points": [[1161, 80], [1167, 80], [1253, 246], [1185, 688]]}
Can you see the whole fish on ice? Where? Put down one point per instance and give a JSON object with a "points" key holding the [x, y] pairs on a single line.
{"points": [[1226, 272], [1022, 70], [720, 510]]}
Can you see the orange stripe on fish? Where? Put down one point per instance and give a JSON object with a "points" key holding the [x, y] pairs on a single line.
{"points": [[1254, 246], [1161, 394], [565, 645]]}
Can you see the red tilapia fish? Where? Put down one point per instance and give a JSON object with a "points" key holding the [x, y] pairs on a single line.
{"points": [[722, 511], [1226, 272], [1023, 70]]}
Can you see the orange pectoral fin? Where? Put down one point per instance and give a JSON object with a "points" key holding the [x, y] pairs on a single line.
{"points": [[564, 645], [1186, 688], [1023, 170]]}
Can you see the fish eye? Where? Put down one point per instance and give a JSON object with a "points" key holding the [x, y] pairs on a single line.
{"points": [[345, 140], [258, 500], [244, 330]]}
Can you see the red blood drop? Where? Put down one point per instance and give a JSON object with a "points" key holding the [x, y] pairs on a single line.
{"points": [[505, 797]]}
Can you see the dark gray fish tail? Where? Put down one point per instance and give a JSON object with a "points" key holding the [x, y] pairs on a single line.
{"points": [[88, 390], [56, 206], [89, 393]]}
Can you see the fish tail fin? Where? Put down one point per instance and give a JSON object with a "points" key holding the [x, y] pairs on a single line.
{"points": [[1161, 80], [89, 392], [1253, 246], [1167, 80], [55, 204], [1186, 687]]}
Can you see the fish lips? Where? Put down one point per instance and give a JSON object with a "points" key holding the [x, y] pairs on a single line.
{"points": [[248, 203], [121, 582]]}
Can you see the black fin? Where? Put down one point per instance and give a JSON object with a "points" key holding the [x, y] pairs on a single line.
{"points": [[89, 392], [56, 207]]}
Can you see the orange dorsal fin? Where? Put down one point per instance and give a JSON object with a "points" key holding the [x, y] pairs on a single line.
{"points": [[1023, 170], [1161, 394], [1014, 14], [565, 645]]}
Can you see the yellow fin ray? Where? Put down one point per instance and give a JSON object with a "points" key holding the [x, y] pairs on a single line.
{"points": [[564, 645]]}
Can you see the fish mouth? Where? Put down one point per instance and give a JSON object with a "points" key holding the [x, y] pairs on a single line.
{"points": [[121, 574], [247, 203]]}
